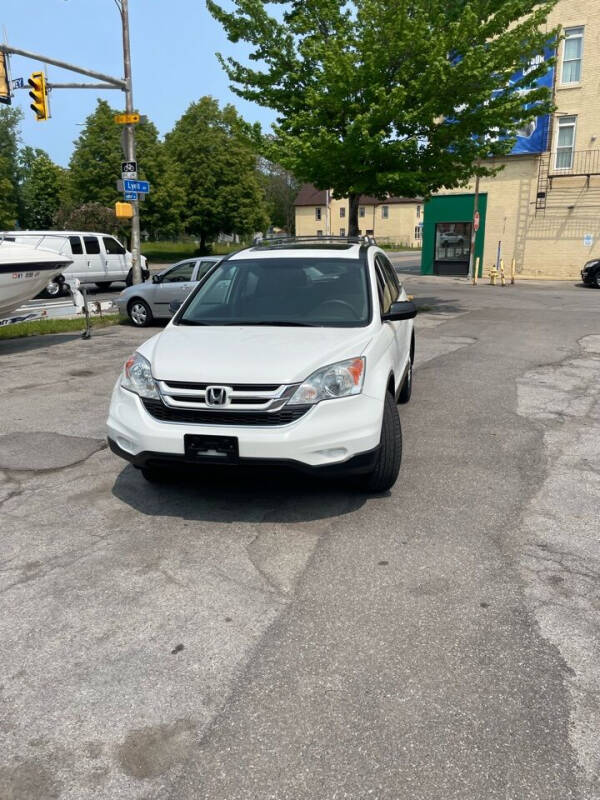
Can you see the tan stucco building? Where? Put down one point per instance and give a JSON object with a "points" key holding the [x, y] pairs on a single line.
{"points": [[397, 220], [543, 209]]}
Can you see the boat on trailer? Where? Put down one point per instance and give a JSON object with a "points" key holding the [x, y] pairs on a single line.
{"points": [[24, 272]]}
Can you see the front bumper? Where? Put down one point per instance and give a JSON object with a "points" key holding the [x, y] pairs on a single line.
{"points": [[329, 435]]}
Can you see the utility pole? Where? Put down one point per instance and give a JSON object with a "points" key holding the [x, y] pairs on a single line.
{"points": [[129, 144]]}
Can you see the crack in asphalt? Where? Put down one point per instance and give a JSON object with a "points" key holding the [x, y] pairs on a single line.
{"points": [[562, 570]]}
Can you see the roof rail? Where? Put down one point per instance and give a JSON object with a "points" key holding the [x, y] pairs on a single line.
{"points": [[285, 241]]}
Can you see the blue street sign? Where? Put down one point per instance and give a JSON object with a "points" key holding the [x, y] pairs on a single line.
{"points": [[18, 83], [131, 196], [136, 186]]}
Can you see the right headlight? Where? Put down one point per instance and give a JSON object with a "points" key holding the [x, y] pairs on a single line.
{"points": [[137, 377], [328, 383]]}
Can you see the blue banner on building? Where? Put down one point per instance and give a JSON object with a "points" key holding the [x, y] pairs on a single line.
{"points": [[534, 137]]}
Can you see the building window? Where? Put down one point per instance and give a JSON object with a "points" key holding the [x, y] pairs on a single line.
{"points": [[385, 212], [361, 211], [418, 212], [418, 230], [342, 231], [572, 55], [317, 214], [565, 142], [342, 211], [319, 233]]}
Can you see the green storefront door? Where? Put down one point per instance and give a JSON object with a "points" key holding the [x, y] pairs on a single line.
{"points": [[447, 234]]}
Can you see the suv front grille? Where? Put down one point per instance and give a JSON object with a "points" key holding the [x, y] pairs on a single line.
{"points": [[205, 416], [236, 387]]}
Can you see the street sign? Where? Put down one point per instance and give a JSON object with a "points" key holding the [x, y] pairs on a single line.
{"points": [[126, 119], [18, 83], [136, 186], [476, 221], [129, 176], [130, 196], [129, 169]]}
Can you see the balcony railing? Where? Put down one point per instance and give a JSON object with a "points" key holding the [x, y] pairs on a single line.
{"points": [[568, 163]]}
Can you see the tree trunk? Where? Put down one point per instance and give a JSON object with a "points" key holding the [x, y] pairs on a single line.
{"points": [[353, 200], [202, 244]]}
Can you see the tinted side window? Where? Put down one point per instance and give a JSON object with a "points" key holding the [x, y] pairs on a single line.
{"points": [[385, 297], [76, 246], [181, 273], [390, 276], [92, 245], [113, 247]]}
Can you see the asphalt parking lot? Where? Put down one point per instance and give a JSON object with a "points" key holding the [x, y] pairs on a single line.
{"points": [[260, 635]]}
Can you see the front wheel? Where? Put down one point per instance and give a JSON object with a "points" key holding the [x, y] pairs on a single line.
{"points": [[597, 279], [139, 313], [389, 457]]}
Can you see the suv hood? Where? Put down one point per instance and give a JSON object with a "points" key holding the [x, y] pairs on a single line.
{"points": [[249, 354]]}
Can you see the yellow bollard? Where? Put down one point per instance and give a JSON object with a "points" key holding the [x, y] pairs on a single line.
{"points": [[512, 272], [502, 276], [476, 271], [493, 275]]}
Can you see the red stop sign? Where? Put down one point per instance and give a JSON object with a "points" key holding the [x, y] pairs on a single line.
{"points": [[476, 221]]}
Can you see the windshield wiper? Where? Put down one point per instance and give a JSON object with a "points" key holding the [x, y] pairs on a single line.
{"points": [[278, 322]]}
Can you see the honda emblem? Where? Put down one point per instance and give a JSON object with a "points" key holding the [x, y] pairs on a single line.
{"points": [[217, 395]]}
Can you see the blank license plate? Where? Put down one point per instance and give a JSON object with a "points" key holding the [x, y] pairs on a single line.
{"points": [[211, 448]]}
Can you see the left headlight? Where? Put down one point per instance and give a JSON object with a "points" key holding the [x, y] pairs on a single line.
{"points": [[137, 377], [328, 383]]}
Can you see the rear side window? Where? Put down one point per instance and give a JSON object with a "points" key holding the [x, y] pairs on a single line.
{"points": [[383, 289], [113, 247], [92, 245], [76, 246], [389, 274]]}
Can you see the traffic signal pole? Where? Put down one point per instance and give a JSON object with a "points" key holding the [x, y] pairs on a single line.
{"points": [[129, 144], [108, 82]]}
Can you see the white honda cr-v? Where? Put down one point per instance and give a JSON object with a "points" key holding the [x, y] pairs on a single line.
{"points": [[289, 352]]}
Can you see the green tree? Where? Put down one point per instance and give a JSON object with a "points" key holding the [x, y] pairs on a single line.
{"points": [[88, 217], [215, 153], [41, 189], [390, 96], [95, 167], [281, 188], [10, 119]]}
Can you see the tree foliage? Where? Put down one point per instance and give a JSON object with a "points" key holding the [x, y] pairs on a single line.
{"points": [[390, 96], [88, 217], [281, 189], [9, 166], [42, 184], [214, 153]]}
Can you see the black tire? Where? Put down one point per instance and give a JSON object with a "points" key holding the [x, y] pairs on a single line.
{"points": [[389, 457], [139, 313], [406, 390], [103, 285], [597, 279], [154, 474]]}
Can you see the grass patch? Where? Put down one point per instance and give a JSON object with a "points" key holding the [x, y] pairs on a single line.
{"points": [[177, 251], [38, 327]]}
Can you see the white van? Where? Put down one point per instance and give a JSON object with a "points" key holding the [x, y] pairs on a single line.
{"points": [[97, 257]]}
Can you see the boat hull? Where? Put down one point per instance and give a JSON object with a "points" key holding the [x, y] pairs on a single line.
{"points": [[24, 272]]}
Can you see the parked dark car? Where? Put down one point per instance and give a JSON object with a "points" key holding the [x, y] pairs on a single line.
{"points": [[590, 274]]}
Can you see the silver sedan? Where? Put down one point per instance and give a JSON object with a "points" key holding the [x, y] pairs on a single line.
{"points": [[144, 302]]}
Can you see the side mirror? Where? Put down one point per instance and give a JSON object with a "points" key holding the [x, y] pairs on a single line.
{"points": [[404, 309], [156, 278], [175, 305]]}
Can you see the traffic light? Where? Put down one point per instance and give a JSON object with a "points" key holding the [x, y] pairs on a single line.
{"points": [[4, 82], [37, 81], [123, 210]]}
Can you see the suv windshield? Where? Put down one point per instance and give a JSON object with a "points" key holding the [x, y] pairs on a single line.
{"points": [[329, 292]]}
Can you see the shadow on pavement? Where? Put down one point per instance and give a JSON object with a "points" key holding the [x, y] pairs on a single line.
{"points": [[26, 343], [436, 305], [239, 494]]}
